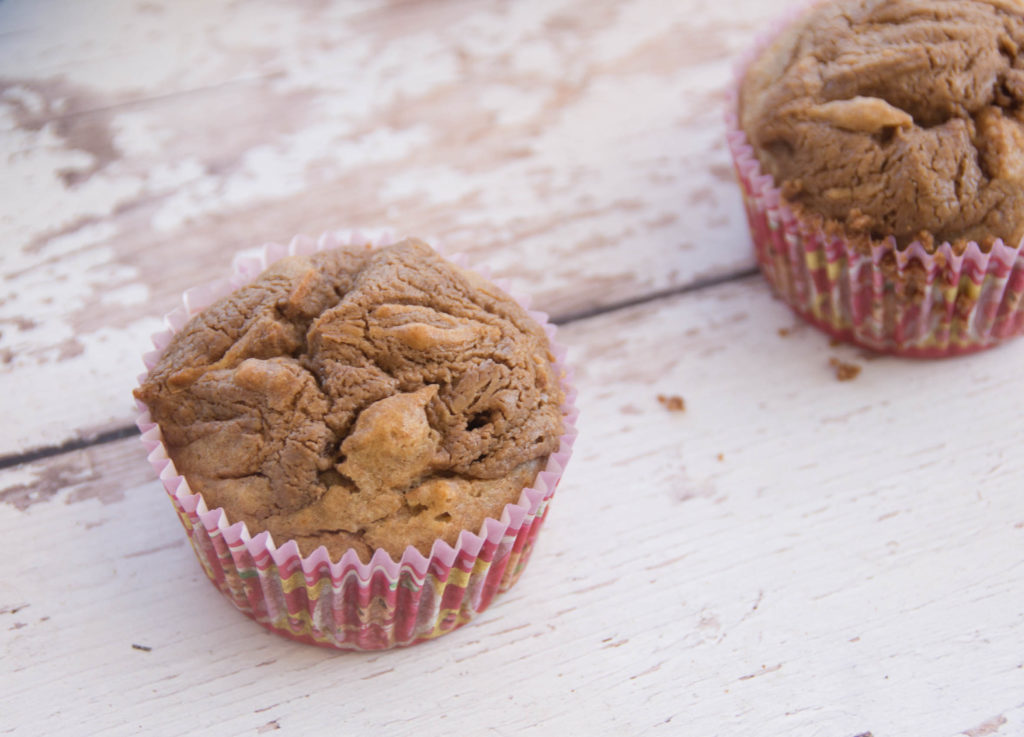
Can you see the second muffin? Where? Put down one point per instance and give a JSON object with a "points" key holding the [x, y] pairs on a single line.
{"points": [[892, 137]]}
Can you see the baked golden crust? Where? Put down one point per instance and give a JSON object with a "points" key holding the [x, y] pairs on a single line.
{"points": [[897, 117], [359, 398]]}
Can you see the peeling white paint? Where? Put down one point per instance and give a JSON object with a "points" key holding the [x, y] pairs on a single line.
{"points": [[550, 126], [93, 389]]}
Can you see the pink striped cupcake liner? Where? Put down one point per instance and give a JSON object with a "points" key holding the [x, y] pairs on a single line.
{"points": [[348, 604], [908, 301]]}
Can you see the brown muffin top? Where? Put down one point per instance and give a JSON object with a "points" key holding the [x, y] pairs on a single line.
{"points": [[359, 398], [897, 117]]}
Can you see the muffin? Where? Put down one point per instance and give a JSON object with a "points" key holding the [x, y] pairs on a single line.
{"points": [[880, 146], [375, 407]]}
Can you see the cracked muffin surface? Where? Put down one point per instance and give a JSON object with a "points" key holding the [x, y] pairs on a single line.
{"points": [[897, 117], [359, 398]]}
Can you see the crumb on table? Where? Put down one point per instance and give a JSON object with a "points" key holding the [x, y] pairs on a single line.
{"points": [[844, 371], [143, 648], [721, 456], [673, 403], [784, 332]]}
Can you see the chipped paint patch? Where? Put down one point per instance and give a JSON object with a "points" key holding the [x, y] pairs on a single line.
{"points": [[986, 728], [49, 479]]}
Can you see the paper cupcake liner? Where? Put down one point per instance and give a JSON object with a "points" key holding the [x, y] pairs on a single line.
{"points": [[902, 301], [348, 604]]}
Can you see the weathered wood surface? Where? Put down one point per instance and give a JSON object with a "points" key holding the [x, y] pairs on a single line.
{"points": [[791, 555], [574, 146]]}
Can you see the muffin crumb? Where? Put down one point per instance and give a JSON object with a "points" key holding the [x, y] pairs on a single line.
{"points": [[844, 371], [673, 403]]}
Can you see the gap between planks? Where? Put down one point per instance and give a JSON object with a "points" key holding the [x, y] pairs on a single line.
{"points": [[17, 459]]}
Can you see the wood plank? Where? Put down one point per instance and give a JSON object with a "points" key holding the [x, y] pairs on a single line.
{"points": [[575, 147], [123, 52], [791, 555]]}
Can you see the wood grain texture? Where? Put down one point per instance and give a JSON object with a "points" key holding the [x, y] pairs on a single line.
{"points": [[575, 146], [791, 555]]}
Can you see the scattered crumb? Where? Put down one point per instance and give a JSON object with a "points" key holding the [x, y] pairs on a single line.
{"points": [[721, 456], [784, 332], [143, 648], [864, 734], [673, 403], [844, 371], [835, 342]]}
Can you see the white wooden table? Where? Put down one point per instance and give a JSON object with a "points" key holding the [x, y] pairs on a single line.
{"points": [[791, 555]]}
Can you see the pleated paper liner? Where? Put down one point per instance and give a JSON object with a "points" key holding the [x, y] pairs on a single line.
{"points": [[908, 301], [348, 604]]}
